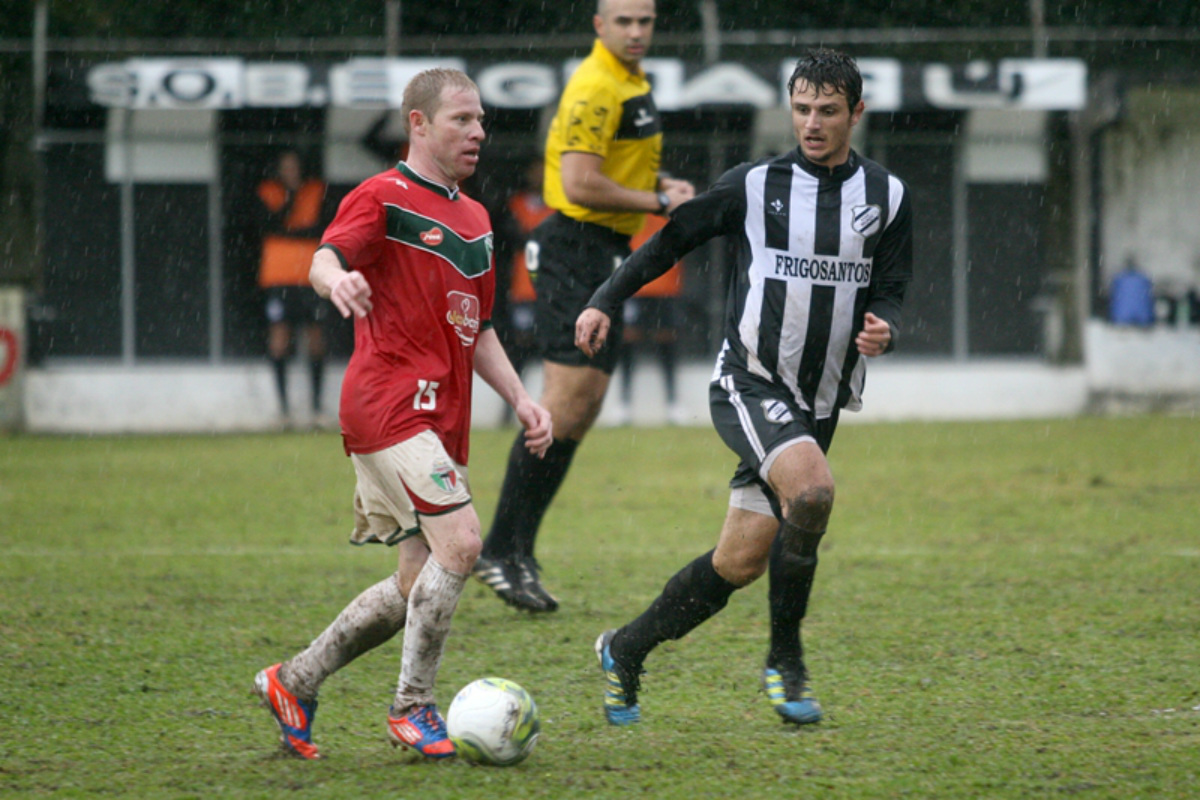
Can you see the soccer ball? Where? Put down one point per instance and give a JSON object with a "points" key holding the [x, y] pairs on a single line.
{"points": [[493, 721]]}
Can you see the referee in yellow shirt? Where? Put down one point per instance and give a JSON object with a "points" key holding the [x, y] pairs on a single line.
{"points": [[602, 158]]}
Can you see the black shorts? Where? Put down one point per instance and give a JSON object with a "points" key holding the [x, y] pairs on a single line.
{"points": [[570, 260], [754, 417], [295, 305]]}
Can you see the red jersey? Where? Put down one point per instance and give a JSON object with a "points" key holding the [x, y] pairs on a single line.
{"points": [[426, 252]]}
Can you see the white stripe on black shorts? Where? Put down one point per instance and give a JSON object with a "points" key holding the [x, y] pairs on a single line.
{"points": [[755, 417]]}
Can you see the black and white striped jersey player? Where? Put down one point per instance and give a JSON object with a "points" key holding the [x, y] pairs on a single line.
{"points": [[824, 256]]}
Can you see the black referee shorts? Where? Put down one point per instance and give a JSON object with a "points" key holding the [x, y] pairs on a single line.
{"points": [[295, 305], [755, 417], [569, 260]]}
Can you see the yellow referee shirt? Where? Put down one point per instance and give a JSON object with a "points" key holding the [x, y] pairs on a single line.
{"points": [[608, 111]]}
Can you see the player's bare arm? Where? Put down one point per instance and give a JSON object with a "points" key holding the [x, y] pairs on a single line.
{"points": [[585, 184], [591, 330], [348, 291], [875, 336], [491, 363]]}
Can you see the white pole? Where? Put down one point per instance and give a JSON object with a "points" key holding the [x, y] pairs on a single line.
{"points": [[391, 28], [1037, 26], [711, 27]]}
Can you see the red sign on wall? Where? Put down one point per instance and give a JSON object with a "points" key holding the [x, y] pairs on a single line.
{"points": [[8, 355]]}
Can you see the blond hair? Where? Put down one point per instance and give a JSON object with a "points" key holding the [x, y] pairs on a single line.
{"points": [[424, 91]]}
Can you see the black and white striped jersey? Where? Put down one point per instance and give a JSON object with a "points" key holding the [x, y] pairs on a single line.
{"points": [[816, 250]]}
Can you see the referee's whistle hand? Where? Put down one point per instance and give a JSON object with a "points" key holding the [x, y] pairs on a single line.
{"points": [[591, 331]]}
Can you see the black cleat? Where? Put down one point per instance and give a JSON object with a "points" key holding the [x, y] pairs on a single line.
{"points": [[505, 578], [532, 586]]}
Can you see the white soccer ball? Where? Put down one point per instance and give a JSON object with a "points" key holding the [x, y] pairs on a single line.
{"points": [[493, 721]]}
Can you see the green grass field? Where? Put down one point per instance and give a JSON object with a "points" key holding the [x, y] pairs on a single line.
{"points": [[1003, 610]]}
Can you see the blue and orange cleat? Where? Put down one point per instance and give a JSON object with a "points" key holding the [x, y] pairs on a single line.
{"points": [[422, 729], [791, 695], [620, 686], [293, 715]]}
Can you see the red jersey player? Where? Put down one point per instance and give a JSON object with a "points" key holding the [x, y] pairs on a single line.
{"points": [[410, 257]]}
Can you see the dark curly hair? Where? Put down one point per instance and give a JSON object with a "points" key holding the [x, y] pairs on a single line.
{"points": [[829, 71]]}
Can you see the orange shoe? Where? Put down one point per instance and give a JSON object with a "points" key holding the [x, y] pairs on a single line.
{"points": [[422, 729], [294, 716]]}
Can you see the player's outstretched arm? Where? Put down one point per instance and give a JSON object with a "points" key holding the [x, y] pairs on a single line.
{"points": [[591, 331], [348, 291], [492, 364]]}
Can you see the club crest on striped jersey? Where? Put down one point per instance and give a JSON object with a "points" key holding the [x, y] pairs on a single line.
{"points": [[865, 219], [432, 237], [463, 314], [776, 411], [445, 476]]}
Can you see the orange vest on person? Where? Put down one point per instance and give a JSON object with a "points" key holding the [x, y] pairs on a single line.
{"points": [[286, 259], [528, 210], [670, 283]]}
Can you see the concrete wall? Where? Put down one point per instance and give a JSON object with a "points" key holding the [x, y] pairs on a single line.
{"points": [[1126, 370], [215, 399], [1151, 167], [1135, 369]]}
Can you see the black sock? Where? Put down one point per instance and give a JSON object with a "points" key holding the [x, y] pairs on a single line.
{"points": [[279, 365], [792, 568], [530, 483], [693, 594], [317, 371]]}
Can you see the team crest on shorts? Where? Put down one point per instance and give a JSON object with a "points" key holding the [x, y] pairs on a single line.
{"points": [[776, 411], [445, 476]]}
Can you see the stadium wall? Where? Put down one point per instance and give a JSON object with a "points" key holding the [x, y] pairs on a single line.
{"points": [[1125, 370]]}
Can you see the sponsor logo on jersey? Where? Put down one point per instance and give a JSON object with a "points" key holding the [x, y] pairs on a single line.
{"points": [[865, 220], [400, 183], [643, 117], [445, 476], [776, 411], [824, 270], [432, 237], [464, 316], [776, 207]]}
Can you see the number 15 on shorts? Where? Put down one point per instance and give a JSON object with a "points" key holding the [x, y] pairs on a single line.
{"points": [[426, 397]]}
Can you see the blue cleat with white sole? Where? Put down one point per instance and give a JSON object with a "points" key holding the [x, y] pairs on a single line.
{"points": [[620, 688], [791, 696]]}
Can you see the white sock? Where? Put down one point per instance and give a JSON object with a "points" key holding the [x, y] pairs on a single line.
{"points": [[371, 619], [431, 606]]}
